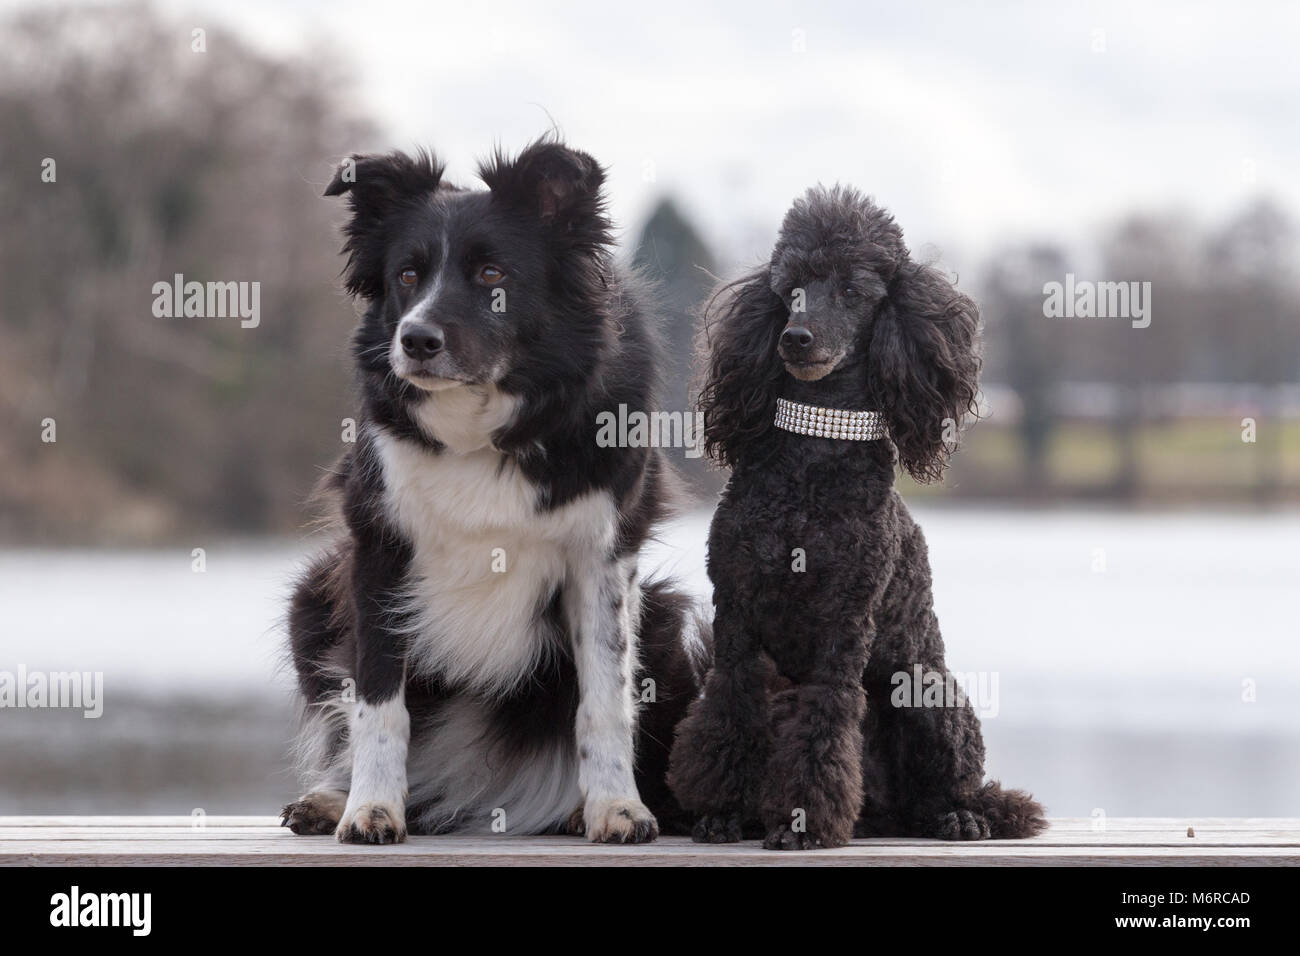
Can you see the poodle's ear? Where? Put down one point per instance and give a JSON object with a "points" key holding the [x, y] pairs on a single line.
{"points": [[559, 185], [378, 186], [923, 366], [742, 324]]}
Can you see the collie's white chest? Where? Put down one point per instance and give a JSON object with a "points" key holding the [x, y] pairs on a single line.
{"points": [[486, 561]]}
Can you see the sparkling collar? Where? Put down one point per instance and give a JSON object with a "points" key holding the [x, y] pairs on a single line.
{"points": [[829, 422]]}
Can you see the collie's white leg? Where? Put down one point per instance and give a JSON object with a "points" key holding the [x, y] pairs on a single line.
{"points": [[378, 735], [601, 600]]}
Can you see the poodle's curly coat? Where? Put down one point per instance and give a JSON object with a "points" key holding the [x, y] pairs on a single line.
{"points": [[821, 577]]}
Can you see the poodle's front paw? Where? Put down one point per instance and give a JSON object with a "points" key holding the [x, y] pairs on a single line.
{"points": [[621, 820], [575, 825], [315, 814], [717, 828], [962, 825], [783, 837], [372, 823]]}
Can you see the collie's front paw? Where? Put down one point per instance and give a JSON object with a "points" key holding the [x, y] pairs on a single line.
{"points": [[373, 822], [621, 820], [316, 813]]}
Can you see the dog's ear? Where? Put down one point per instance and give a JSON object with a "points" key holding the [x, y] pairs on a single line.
{"points": [[923, 366], [377, 187], [742, 323], [559, 185]]}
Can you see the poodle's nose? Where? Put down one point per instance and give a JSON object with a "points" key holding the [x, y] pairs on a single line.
{"points": [[796, 337], [421, 342]]}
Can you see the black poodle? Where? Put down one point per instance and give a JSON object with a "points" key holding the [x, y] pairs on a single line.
{"points": [[840, 352]]}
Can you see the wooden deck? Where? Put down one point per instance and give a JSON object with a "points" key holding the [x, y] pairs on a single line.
{"points": [[81, 841]]}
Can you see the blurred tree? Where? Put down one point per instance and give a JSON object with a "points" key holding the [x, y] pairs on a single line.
{"points": [[1256, 299], [671, 252], [1026, 350], [168, 161], [1142, 249]]}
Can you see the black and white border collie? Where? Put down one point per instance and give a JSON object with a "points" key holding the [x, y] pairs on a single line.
{"points": [[476, 650]]}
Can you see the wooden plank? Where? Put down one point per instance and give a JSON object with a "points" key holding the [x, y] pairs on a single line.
{"points": [[664, 853], [259, 821], [233, 840], [1129, 836], [136, 821], [1057, 823]]}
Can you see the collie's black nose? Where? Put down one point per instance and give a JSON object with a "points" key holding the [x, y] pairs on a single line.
{"points": [[422, 342], [796, 337]]}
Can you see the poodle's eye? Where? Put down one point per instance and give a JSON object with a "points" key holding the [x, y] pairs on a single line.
{"points": [[851, 292], [491, 275], [408, 277]]}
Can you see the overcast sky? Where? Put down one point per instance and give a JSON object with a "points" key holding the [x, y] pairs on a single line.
{"points": [[973, 121]]}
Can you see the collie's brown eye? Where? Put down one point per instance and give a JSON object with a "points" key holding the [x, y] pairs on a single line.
{"points": [[490, 275], [408, 277]]}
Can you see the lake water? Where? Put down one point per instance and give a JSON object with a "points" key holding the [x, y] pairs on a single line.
{"points": [[1144, 664]]}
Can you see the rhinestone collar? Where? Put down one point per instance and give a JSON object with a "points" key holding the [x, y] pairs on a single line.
{"points": [[829, 422]]}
